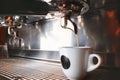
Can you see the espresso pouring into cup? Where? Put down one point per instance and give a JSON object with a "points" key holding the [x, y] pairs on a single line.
{"points": [[77, 61]]}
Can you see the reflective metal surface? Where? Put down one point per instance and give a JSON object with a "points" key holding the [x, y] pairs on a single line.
{"points": [[99, 28], [27, 69], [102, 24], [44, 34]]}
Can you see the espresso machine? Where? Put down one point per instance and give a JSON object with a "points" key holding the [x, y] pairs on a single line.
{"points": [[36, 29]]}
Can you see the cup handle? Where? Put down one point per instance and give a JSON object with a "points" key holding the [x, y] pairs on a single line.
{"points": [[91, 65]]}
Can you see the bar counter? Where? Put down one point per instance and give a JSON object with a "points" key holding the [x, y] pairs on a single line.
{"points": [[28, 69]]}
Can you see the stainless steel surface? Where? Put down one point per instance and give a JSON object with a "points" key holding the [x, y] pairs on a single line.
{"points": [[98, 28], [46, 35], [26, 69], [35, 54], [103, 28], [4, 51]]}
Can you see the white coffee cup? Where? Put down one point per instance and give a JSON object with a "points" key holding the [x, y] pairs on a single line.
{"points": [[77, 61]]}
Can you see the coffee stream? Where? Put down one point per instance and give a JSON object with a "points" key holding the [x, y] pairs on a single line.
{"points": [[72, 8], [75, 29], [76, 35], [75, 32], [77, 40]]}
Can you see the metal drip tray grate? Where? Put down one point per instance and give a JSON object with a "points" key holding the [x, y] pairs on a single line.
{"points": [[25, 69]]}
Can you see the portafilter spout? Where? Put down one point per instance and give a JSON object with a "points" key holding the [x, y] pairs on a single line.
{"points": [[73, 9]]}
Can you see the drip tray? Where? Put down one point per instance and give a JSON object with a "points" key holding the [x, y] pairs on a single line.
{"points": [[27, 69]]}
